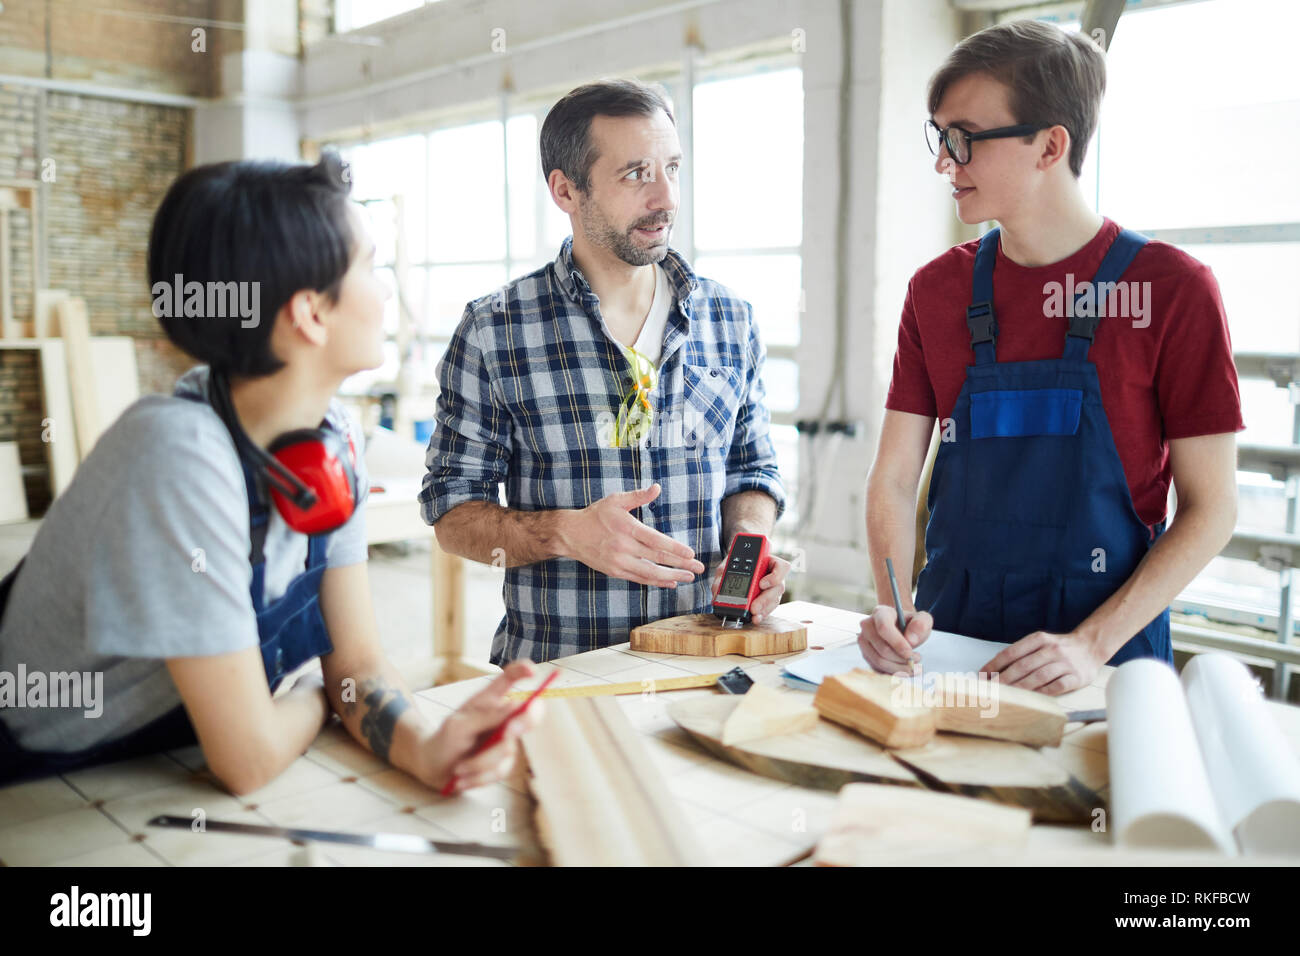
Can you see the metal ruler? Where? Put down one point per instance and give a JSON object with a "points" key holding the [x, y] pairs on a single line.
{"points": [[399, 842]]}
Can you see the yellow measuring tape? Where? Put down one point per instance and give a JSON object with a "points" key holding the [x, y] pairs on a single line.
{"points": [[647, 686]]}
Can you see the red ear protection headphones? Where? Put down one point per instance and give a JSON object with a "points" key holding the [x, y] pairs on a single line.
{"points": [[309, 471]]}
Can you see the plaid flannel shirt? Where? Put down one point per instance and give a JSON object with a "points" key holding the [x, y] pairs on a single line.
{"points": [[530, 388]]}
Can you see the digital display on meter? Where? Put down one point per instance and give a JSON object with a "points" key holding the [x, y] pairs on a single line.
{"points": [[735, 585]]}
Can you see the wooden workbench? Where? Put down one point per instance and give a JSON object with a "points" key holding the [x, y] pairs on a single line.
{"points": [[96, 816]]}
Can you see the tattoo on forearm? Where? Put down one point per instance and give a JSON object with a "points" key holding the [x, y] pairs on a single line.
{"points": [[383, 707]]}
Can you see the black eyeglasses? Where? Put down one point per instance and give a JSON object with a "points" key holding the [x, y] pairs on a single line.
{"points": [[958, 140]]}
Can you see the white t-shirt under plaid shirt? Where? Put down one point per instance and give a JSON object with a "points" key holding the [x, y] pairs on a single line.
{"points": [[650, 340], [530, 389]]}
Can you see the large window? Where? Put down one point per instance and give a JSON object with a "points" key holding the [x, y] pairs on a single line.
{"points": [[448, 189], [473, 211], [354, 14], [1200, 119], [748, 219]]}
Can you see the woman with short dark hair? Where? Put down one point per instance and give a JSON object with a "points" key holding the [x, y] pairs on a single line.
{"points": [[214, 540]]}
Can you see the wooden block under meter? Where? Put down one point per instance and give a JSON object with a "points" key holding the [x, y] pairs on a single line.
{"points": [[702, 635]]}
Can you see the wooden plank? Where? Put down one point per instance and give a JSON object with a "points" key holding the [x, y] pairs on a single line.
{"points": [[870, 704], [58, 430], [702, 635], [46, 319], [13, 496], [113, 394], [117, 383], [74, 328], [1064, 784], [986, 709], [826, 757], [1009, 773], [907, 714], [602, 801], [870, 819], [768, 712]]}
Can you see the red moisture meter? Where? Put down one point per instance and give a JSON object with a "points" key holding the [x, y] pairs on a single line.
{"points": [[747, 562]]}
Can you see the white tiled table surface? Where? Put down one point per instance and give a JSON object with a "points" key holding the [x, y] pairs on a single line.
{"points": [[96, 817]]}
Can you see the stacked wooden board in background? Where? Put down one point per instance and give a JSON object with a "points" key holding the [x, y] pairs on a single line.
{"points": [[86, 382]]}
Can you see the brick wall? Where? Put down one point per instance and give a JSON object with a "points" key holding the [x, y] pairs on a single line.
{"points": [[20, 401], [18, 161], [138, 44], [112, 163]]}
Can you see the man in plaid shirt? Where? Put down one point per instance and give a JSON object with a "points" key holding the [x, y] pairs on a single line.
{"points": [[617, 396]]}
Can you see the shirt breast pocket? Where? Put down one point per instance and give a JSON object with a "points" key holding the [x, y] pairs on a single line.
{"points": [[712, 403]]}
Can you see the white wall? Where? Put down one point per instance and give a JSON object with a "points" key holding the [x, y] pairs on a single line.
{"points": [[901, 216]]}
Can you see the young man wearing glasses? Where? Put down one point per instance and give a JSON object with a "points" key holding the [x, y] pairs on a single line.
{"points": [[1062, 418], [616, 394]]}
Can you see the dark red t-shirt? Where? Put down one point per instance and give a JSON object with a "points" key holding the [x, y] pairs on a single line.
{"points": [[1173, 378]]}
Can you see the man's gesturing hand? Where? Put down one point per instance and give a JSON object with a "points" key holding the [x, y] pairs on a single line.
{"points": [[604, 536]]}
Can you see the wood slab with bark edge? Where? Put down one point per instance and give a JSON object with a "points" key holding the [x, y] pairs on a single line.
{"points": [[768, 712], [824, 758], [702, 635], [1011, 773], [895, 713], [1066, 784]]}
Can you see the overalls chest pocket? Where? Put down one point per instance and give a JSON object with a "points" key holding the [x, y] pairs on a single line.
{"points": [[1023, 453], [712, 395]]}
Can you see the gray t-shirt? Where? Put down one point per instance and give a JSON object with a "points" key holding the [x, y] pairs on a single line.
{"points": [[144, 557]]}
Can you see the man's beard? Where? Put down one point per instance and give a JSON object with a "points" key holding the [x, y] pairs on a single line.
{"points": [[601, 232]]}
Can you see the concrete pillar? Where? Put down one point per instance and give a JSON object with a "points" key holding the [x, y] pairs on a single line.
{"points": [[254, 115]]}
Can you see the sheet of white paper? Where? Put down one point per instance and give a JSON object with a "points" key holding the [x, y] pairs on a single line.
{"points": [[1254, 774], [941, 653], [1160, 794]]}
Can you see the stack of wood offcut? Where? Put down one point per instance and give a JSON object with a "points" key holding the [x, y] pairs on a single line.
{"points": [[901, 713]]}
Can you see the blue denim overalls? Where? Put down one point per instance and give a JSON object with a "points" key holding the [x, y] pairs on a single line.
{"points": [[1032, 526], [291, 631]]}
